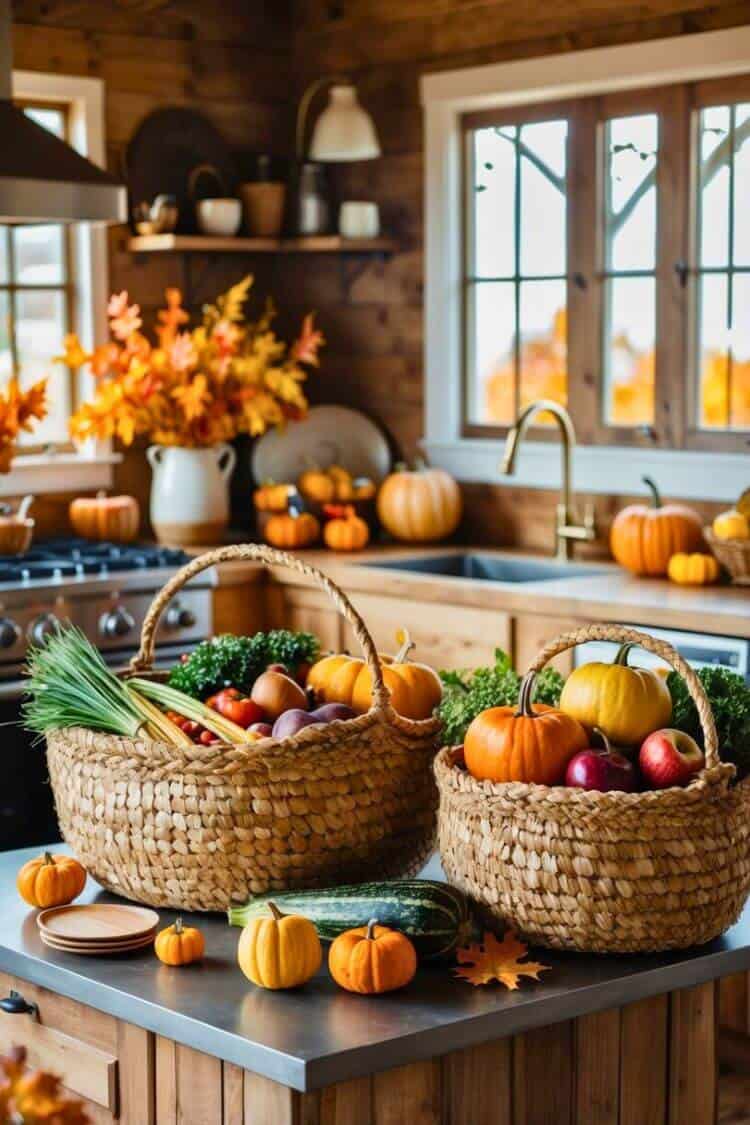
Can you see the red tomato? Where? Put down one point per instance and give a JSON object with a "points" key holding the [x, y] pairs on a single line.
{"points": [[238, 708]]}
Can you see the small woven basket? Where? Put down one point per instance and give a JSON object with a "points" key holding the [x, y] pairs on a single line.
{"points": [[733, 554], [601, 872], [197, 828]]}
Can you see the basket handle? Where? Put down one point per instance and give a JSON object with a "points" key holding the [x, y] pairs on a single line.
{"points": [[257, 552], [660, 648]]}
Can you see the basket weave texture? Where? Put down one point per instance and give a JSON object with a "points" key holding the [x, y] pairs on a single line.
{"points": [[601, 872], [197, 828], [733, 554]]}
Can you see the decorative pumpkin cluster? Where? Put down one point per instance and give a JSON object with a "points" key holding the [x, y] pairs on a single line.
{"points": [[196, 387]]}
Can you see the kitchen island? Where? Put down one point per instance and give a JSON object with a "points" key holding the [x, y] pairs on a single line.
{"points": [[597, 1041]]}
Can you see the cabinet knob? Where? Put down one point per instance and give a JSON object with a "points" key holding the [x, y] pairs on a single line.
{"points": [[44, 626], [179, 617], [16, 1005], [9, 632], [117, 623]]}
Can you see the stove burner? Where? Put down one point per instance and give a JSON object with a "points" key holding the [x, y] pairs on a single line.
{"points": [[69, 558]]}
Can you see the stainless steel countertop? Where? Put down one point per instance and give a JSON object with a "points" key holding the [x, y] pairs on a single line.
{"points": [[318, 1035]]}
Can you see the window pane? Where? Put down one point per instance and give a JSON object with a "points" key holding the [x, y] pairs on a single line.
{"points": [[630, 232], [38, 255], [741, 185], [493, 200], [543, 170], [629, 351], [739, 381], [40, 327], [714, 186], [51, 119], [543, 350], [491, 353], [6, 358], [4, 264], [713, 350]]}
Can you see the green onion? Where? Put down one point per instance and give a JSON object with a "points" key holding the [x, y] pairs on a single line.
{"points": [[175, 700]]}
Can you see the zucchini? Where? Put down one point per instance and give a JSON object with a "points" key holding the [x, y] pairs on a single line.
{"points": [[435, 916]]}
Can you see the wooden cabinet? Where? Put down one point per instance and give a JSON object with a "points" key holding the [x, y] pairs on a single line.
{"points": [[531, 632]]}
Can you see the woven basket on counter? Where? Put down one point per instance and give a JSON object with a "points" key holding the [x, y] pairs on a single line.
{"points": [[197, 828], [733, 554], [601, 872]]}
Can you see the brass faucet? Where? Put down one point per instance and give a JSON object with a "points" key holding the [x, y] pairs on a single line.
{"points": [[569, 526]]}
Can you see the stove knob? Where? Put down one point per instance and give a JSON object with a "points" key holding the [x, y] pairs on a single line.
{"points": [[117, 623], [44, 626], [9, 632], [179, 617]]}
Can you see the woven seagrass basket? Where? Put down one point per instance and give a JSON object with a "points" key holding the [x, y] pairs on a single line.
{"points": [[601, 872], [733, 554], [197, 828]]}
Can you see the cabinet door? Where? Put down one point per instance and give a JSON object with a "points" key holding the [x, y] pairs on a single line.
{"points": [[305, 609], [531, 633]]}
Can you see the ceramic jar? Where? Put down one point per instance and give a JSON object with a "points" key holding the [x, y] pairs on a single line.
{"points": [[190, 492]]}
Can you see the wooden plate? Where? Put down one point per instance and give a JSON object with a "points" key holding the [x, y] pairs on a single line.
{"points": [[97, 950], [150, 936], [97, 922]]}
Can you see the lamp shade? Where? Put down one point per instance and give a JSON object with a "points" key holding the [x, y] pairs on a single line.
{"points": [[344, 130]]}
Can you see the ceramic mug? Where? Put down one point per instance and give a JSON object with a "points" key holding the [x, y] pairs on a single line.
{"points": [[358, 219], [220, 217]]}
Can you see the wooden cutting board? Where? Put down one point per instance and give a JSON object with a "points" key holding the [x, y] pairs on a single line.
{"points": [[97, 922]]}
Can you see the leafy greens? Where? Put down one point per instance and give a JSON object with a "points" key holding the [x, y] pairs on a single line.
{"points": [[231, 661], [729, 697]]}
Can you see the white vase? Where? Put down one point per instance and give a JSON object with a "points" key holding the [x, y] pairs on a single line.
{"points": [[190, 493]]}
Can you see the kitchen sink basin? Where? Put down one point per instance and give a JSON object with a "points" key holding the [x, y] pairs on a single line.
{"points": [[488, 568]]}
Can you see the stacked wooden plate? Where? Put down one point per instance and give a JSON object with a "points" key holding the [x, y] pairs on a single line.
{"points": [[98, 930]]}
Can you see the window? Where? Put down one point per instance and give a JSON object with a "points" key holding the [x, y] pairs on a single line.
{"points": [[36, 290]]}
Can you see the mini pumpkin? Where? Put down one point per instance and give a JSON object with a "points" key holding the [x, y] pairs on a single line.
{"points": [[523, 743], [317, 486], [415, 688], [693, 570], [625, 703], [643, 539], [731, 525], [343, 483], [372, 959], [282, 951], [105, 517], [420, 506], [51, 880], [272, 497], [179, 944], [345, 530], [288, 530]]}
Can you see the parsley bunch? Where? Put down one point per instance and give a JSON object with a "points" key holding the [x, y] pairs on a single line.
{"points": [[230, 661], [729, 697], [466, 694]]}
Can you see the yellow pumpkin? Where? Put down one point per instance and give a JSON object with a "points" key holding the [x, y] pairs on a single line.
{"points": [[625, 703], [272, 497], [316, 485], [51, 880], [420, 506], [343, 483], [179, 945], [693, 570], [288, 530], [731, 525], [415, 689], [105, 517], [282, 951], [345, 531]]}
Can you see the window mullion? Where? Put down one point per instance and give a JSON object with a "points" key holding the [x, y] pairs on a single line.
{"points": [[583, 286]]}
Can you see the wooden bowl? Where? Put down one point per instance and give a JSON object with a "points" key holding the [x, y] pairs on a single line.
{"points": [[15, 535]]}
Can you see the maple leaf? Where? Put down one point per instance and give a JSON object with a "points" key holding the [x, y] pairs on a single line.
{"points": [[497, 960], [305, 348]]}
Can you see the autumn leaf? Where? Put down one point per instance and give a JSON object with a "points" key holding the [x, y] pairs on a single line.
{"points": [[497, 960], [305, 348]]}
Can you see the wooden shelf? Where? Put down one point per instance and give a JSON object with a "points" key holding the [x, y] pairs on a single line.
{"points": [[204, 244]]}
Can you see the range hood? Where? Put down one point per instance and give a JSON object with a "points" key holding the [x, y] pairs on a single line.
{"points": [[42, 179]]}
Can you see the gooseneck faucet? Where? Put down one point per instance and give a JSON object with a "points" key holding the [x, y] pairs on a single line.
{"points": [[568, 526]]}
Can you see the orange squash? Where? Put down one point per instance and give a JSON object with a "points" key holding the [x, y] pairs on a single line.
{"points": [[288, 530], [415, 689], [420, 506], [643, 539], [272, 497], [105, 517], [317, 486], [179, 945], [51, 880], [693, 570], [523, 743], [372, 959], [345, 531]]}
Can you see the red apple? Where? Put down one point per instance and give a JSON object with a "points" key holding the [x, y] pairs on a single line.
{"points": [[600, 770], [669, 757], [263, 730]]}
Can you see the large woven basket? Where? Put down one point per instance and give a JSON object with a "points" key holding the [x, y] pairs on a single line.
{"points": [[733, 554], [601, 872], [197, 828]]}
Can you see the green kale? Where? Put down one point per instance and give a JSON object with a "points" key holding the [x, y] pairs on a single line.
{"points": [[466, 694], [729, 697], [231, 661]]}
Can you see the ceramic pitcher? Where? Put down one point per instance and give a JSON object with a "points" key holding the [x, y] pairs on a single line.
{"points": [[190, 493]]}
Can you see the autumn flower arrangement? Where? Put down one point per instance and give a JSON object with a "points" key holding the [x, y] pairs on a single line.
{"points": [[33, 1097], [19, 411], [194, 387]]}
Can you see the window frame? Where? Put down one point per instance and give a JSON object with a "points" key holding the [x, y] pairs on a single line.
{"points": [[602, 72]]}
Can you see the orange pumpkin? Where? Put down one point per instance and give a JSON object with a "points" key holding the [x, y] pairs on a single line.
{"points": [[372, 959], [643, 539], [345, 531], [415, 689], [272, 497], [317, 486], [523, 743], [693, 570], [105, 517], [287, 530], [419, 506], [179, 945], [51, 880]]}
